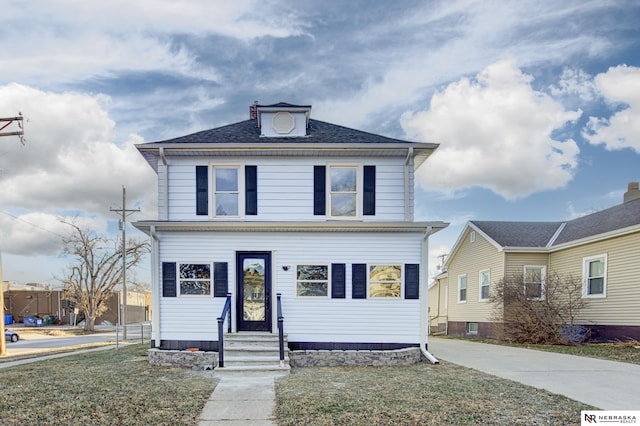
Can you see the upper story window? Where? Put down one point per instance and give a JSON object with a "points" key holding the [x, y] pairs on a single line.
{"points": [[595, 276], [226, 190], [534, 277], [343, 191]]}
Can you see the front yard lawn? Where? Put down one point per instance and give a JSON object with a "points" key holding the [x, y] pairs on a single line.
{"points": [[104, 387], [421, 394]]}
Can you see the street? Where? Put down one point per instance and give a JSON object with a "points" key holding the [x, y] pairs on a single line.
{"points": [[35, 341]]}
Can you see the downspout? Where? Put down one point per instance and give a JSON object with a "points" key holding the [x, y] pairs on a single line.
{"points": [[165, 185], [155, 293], [407, 204], [423, 297]]}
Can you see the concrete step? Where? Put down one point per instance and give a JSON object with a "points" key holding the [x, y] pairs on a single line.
{"points": [[252, 339], [272, 370], [237, 360]]}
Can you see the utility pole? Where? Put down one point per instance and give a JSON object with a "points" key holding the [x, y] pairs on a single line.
{"points": [[20, 133], [124, 212]]}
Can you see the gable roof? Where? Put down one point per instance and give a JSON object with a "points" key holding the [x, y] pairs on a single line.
{"points": [[519, 234], [245, 135], [550, 236], [553, 234]]}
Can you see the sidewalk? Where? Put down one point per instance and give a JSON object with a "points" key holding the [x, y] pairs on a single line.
{"points": [[40, 358], [241, 400], [607, 385]]}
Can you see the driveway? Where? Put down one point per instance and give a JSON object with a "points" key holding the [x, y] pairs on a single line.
{"points": [[607, 385]]}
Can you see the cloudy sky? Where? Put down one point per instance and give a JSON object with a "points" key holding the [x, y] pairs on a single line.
{"points": [[535, 104]]}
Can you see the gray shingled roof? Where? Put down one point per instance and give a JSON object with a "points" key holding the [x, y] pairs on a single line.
{"points": [[247, 132], [611, 219], [540, 234], [519, 234]]}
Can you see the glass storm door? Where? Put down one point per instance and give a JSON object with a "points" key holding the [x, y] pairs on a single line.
{"points": [[253, 275]]}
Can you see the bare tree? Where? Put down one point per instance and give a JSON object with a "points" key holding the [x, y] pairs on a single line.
{"points": [[97, 269], [544, 314]]}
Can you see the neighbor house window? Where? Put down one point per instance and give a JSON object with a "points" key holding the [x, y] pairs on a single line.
{"points": [[534, 277], [344, 184], [385, 281], [484, 279], [595, 276], [472, 328], [312, 280], [194, 279], [462, 288], [227, 197]]}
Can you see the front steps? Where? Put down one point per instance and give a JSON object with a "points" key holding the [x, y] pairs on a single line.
{"points": [[253, 353]]}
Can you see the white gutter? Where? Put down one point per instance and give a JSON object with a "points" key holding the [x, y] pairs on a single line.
{"points": [[165, 185], [424, 295], [155, 287], [407, 206]]}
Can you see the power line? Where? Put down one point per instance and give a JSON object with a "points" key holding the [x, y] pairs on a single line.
{"points": [[32, 224]]}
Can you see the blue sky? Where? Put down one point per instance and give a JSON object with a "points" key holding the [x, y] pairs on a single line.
{"points": [[535, 104]]}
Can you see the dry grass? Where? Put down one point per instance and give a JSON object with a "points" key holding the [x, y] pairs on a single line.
{"points": [[620, 351], [420, 394], [102, 388]]}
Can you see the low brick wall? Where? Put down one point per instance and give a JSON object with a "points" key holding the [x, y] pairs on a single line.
{"points": [[338, 358], [198, 360]]}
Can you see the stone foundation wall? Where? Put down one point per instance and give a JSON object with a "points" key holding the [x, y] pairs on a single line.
{"points": [[198, 360], [338, 358]]}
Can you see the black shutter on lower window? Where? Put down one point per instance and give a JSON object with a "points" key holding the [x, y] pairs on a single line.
{"points": [[358, 281], [220, 279], [411, 281], [169, 288], [369, 191], [251, 190], [202, 190], [319, 190], [338, 287]]}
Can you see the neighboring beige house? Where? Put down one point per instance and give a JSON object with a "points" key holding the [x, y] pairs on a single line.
{"points": [[602, 248]]}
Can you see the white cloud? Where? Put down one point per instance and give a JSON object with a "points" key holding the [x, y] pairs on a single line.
{"points": [[70, 163], [618, 86], [575, 82], [61, 41], [495, 132]]}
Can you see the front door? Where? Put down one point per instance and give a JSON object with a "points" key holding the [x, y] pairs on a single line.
{"points": [[253, 275]]}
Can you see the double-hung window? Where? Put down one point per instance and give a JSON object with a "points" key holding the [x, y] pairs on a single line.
{"points": [[344, 184], [534, 278], [385, 281], [312, 280], [194, 279], [485, 284], [595, 276], [227, 199], [462, 288]]}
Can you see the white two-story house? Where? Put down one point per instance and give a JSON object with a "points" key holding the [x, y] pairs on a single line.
{"points": [[284, 204]]}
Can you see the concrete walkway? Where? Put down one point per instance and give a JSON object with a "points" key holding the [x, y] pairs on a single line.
{"points": [[607, 385], [241, 400]]}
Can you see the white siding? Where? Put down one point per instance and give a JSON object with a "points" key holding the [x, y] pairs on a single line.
{"points": [[285, 188], [306, 319]]}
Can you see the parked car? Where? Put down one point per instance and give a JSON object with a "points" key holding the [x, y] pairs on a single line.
{"points": [[11, 336]]}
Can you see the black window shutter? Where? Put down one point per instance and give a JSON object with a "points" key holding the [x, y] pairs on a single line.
{"points": [[251, 190], [202, 190], [169, 279], [359, 281], [369, 191], [319, 190], [411, 281], [338, 290], [220, 279]]}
